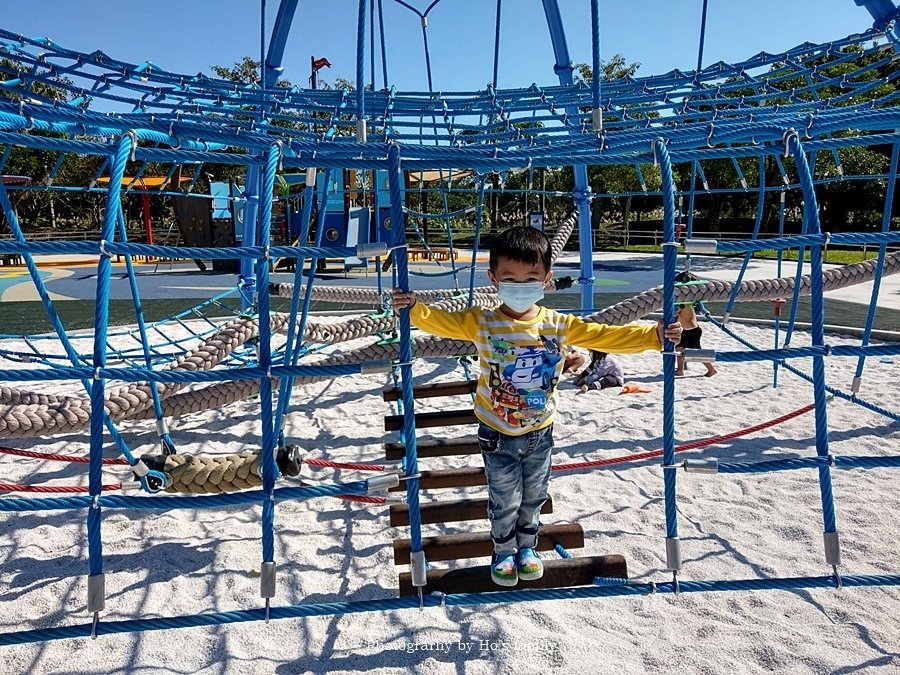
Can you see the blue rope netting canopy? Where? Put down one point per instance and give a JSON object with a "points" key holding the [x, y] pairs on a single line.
{"points": [[799, 109]]}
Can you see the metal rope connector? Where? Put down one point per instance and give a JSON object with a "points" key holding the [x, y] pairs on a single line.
{"points": [[786, 139]]}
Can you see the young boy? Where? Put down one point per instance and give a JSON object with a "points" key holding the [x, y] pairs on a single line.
{"points": [[521, 349]]}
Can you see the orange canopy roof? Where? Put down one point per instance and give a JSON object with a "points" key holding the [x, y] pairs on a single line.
{"points": [[430, 176], [146, 182]]}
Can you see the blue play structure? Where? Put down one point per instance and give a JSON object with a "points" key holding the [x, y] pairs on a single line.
{"points": [[794, 113]]}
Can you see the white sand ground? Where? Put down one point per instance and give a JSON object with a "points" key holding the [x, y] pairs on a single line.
{"points": [[751, 525]]}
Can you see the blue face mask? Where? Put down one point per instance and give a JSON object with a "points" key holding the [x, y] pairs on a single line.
{"points": [[519, 297]]}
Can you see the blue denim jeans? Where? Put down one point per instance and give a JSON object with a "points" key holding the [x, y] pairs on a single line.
{"points": [[518, 473]]}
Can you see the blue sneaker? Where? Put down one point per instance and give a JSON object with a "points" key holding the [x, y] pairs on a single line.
{"points": [[529, 565], [503, 570]]}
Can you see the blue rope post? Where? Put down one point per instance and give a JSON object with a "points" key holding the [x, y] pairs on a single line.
{"points": [[779, 255], [417, 555], [811, 208], [267, 460], [497, 42], [165, 440], [292, 346], [96, 580], [760, 207], [582, 192], [670, 261], [702, 36], [476, 240], [384, 71], [597, 114], [361, 72], [879, 270], [801, 256]]}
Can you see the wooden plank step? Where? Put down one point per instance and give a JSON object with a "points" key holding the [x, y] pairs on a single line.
{"points": [[434, 447], [447, 478], [450, 511], [391, 394], [441, 418], [479, 544], [557, 574]]}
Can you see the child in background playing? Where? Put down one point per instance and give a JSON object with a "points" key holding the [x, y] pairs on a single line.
{"points": [[604, 371], [690, 338], [521, 349]]}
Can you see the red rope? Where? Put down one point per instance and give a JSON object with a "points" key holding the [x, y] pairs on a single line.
{"points": [[118, 461], [693, 445], [339, 465], [18, 487]]}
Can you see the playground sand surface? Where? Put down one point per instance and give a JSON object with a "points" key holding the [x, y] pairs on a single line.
{"points": [[184, 562]]}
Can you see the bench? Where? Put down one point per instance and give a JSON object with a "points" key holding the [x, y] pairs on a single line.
{"points": [[434, 254]]}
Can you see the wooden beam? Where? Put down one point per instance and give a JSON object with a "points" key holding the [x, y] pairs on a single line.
{"points": [[447, 478], [479, 544], [442, 418], [450, 512], [434, 447], [557, 574], [391, 394]]}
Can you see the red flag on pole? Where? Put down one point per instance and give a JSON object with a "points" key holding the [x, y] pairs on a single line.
{"points": [[318, 64]]}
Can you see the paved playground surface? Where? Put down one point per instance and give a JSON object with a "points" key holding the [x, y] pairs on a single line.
{"points": [[615, 273]]}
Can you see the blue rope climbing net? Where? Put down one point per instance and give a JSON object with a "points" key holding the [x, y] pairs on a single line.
{"points": [[794, 109]]}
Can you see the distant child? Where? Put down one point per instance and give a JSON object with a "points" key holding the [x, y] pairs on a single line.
{"points": [[521, 350], [604, 371], [690, 338]]}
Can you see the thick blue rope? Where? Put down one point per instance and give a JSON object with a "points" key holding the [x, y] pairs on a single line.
{"points": [[497, 43], [144, 375], [760, 207], [384, 70], [811, 240], [595, 54], [288, 383], [839, 461], [803, 352], [476, 241], [455, 600], [817, 319], [165, 439], [133, 248], [670, 254], [101, 323], [180, 502], [267, 458], [411, 465], [882, 252], [295, 334], [361, 61], [796, 371]]}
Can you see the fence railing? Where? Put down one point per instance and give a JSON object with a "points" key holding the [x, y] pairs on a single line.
{"points": [[616, 239]]}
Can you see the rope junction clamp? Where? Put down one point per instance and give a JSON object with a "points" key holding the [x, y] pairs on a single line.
{"points": [[376, 249], [384, 482], [699, 355], [710, 466], [701, 246], [376, 366]]}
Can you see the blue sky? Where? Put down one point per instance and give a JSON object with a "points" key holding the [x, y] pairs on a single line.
{"points": [[191, 36]]}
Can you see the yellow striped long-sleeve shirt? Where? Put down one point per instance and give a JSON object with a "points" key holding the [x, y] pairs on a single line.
{"points": [[522, 361]]}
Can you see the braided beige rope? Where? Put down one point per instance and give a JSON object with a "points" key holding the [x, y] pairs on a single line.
{"points": [[26, 414], [204, 474], [562, 234]]}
